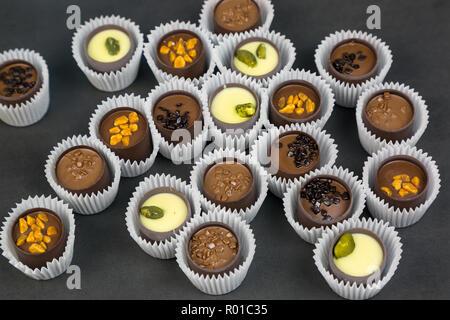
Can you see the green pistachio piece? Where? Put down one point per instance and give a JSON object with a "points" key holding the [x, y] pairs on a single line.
{"points": [[152, 212], [245, 110], [112, 45], [344, 246], [261, 51], [246, 57]]}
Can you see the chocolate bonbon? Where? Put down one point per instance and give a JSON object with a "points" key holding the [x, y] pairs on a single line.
{"points": [[213, 249], [82, 170], [19, 82], [39, 237], [108, 48], [231, 16], [126, 132]]}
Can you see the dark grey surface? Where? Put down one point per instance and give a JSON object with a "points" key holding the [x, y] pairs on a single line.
{"points": [[112, 264]]}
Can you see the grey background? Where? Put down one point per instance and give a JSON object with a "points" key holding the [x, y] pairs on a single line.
{"points": [[112, 264]]}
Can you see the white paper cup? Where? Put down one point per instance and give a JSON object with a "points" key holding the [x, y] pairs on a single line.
{"points": [[225, 49], [163, 29], [158, 249], [346, 289], [290, 200], [370, 142], [182, 152], [326, 94], [347, 94], [222, 139], [259, 152], [259, 177], [218, 285], [206, 20], [128, 168], [55, 267], [378, 208], [90, 203], [34, 109], [110, 81]]}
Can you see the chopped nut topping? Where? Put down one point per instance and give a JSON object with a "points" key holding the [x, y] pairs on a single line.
{"points": [[51, 231], [36, 248], [403, 184], [123, 129], [23, 225], [294, 103], [181, 52]]}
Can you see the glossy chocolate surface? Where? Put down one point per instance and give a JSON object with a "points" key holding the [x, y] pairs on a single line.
{"points": [[389, 114], [213, 249], [353, 61], [151, 235], [399, 165], [358, 280], [82, 170], [140, 143], [191, 70], [105, 67], [229, 183], [19, 82], [246, 125], [231, 16], [324, 200], [177, 110], [293, 88], [294, 153], [54, 246]]}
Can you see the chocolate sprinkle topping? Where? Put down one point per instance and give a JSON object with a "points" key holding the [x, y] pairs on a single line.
{"points": [[173, 120], [303, 150], [15, 80], [347, 64]]}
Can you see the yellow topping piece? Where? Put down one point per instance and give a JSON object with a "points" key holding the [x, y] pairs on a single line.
{"points": [[115, 139], [290, 99], [47, 239], [403, 177], [170, 43], [124, 126], [43, 216], [179, 62], [288, 109], [303, 96], [300, 103], [281, 102], [164, 50], [310, 106], [38, 236], [187, 58], [114, 130], [299, 110], [172, 56], [191, 43], [410, 187], [133, 117], [51, 231], [43, 245], [31, 220], [35, 227], [21, 240], [120, 120], [23, 226], [39, 223], [126, 141], [387, 191], [192, 53], [296, 99], [402, 192], [36, 248], [397, 184], [415, 181], [133, 127], [125, 132], [30, 237]]}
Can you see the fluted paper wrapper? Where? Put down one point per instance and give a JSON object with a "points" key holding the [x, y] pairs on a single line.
{"points": [[378, 208], [259, 152], [158, 249], [222, 139], [218, 284], [90, 203], [128, 168], [326, 94], [115, 80], [290, 200], [150, 51], [370, 142], [181, 152], [32, 110], [55, 267], [259, 178], [224, 51], [347, 94], [353, 291], [206, 20]]}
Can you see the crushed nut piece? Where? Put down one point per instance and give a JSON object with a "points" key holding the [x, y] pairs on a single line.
{"points": [[51, 231], [23, 226], [387, 191], [397, 184], [410, 187], [36, 248], [415, 181]]}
